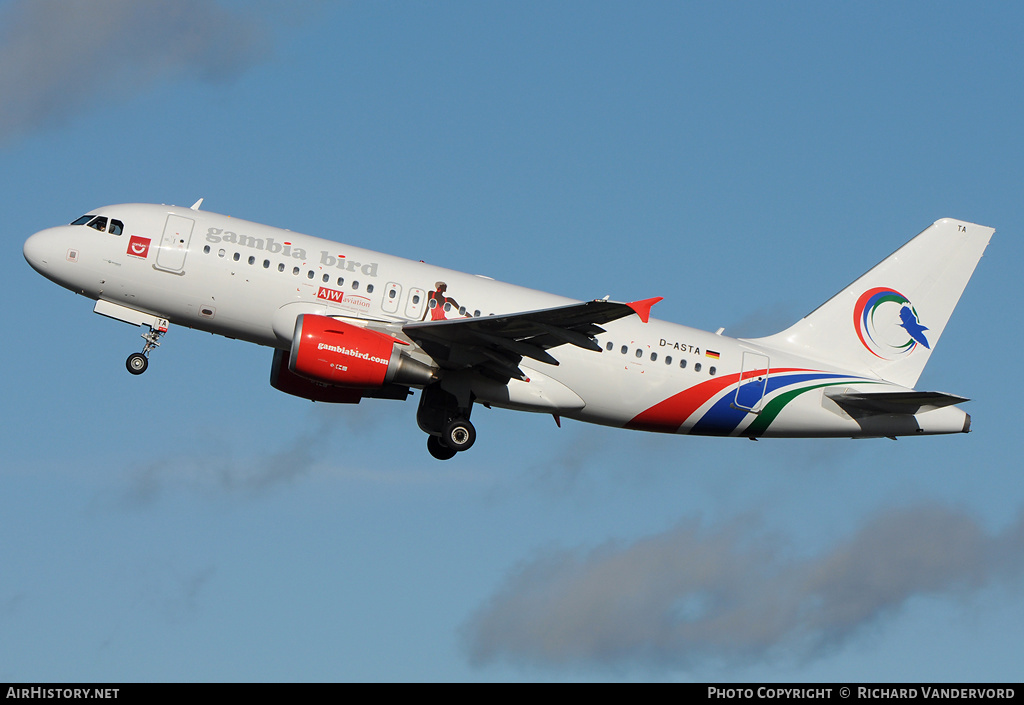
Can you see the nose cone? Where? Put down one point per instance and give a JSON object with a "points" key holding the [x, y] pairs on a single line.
{"points": [[35, 251]]}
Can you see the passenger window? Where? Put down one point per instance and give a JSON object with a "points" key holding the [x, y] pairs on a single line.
{"points": [[609, 346], [310, 274], [696, 367], [252, 260], [369, 288], [682, 364], [668, 359], [280, 267], [116, 227], [206, 250], [221, 253], [326, 278], [236, 257], [341, 281], [295, 271], [625, 349], [266, 264], [654, 357], [355, 286], [712, 371]]}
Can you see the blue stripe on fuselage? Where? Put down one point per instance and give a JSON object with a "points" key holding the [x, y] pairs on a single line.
{"points": [[723, 418]]}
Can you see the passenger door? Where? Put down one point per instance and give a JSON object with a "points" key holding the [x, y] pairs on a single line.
{"points": [[174, 244]]}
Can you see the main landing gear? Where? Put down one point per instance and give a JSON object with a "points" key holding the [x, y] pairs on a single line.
{"points": [[138, 362], [440, 415], [459, 435]]}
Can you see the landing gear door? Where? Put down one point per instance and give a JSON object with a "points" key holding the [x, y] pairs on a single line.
{"points": [[753, 382], [174, 244]]}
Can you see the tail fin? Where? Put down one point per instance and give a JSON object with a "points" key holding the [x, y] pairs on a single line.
{"points": [[887, 322]]}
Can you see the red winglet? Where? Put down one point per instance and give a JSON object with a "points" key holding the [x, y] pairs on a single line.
{"points": [[643, 308]]}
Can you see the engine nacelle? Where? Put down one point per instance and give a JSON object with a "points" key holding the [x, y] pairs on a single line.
{"points": [[283, 379], [330, 351]]}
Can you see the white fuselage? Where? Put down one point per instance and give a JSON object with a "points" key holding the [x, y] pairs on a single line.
{"points": [[249, 281]]}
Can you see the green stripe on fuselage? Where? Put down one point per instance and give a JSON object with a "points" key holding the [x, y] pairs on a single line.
{"points": [[759, 425]]}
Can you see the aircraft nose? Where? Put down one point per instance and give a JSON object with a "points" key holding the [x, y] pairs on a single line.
{"points": [[35, 252], [45, 250]]}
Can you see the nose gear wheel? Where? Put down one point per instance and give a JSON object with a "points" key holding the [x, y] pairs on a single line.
{"points": [[137, 363]]}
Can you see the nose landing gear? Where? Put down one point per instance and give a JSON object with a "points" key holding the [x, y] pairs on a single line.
{"points": [[138, 362]]}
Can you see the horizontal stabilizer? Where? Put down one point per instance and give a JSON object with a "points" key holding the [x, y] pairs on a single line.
{"points": [[894, 402]]}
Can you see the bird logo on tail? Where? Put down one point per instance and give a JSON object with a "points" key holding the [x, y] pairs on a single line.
{"points": [[887, 324], [913, 326]]}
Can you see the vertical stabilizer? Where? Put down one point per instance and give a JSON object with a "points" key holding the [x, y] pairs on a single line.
{"points": [[887, 323]]}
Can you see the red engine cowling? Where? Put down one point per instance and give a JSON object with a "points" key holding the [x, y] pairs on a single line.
{"points": [[285, 380], [327, 350]]}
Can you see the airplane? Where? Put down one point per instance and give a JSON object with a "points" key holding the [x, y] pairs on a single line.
{"points": [[347, 323]]}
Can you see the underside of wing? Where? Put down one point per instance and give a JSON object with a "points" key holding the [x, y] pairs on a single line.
{"points": [[496, 344]]}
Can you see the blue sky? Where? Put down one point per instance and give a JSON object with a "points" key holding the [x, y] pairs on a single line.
{"points": [[743, 160]]}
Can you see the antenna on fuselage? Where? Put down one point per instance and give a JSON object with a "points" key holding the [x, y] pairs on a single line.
{"points": [[195, 206]]}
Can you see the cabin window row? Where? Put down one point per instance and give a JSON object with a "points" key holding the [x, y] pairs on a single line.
{"points": [[296, 271], [668, 359], [448, 308]]}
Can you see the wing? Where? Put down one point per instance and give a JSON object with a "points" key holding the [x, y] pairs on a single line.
{"points": [[496, 344]]}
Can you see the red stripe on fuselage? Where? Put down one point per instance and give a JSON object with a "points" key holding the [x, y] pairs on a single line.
{"points": [[667, 416]]}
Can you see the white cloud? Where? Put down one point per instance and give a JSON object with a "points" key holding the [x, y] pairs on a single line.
{"points": [[729, 595], [63, 57]]}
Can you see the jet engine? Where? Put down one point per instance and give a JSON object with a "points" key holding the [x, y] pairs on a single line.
{"points": [[283, 379], [328, 351]]}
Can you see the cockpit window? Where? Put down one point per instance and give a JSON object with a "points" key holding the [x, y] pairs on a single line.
{"points": [[99, 222]]}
